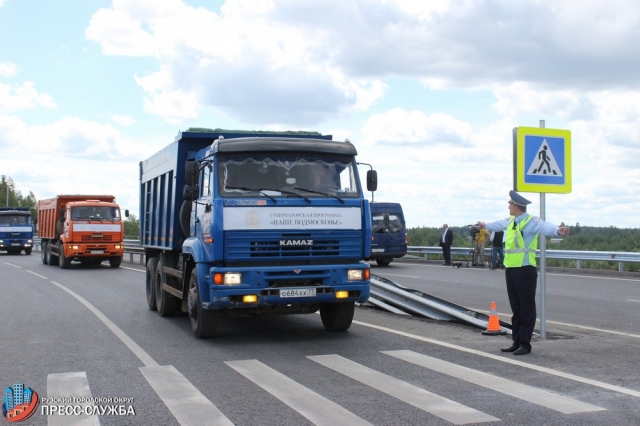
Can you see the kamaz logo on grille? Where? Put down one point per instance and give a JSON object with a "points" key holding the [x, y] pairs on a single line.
{"points": [[303, 243], [96, 236]]}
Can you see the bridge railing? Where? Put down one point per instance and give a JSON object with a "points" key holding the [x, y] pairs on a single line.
{"points": [[575, 255]]}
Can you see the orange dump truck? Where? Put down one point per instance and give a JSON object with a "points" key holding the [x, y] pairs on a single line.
{"points": [[86, 228]]}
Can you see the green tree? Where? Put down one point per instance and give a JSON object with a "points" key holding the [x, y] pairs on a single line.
{"points": [[132, 227], [11, 197]]}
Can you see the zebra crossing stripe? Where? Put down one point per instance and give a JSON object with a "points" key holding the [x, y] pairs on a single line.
{"points": [[531, 394], [435, 404], [74, 385], [316, 408], [187, 404]]}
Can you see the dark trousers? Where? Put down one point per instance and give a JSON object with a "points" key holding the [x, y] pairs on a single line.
{"points": [[446, 252], [521, 288]]}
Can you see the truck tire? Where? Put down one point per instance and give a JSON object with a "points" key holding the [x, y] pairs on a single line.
{"points": [[166, 303], [152, 263], [115, 262], [43, 253], [337, 316], [63, 260], [27, 251], [384, 261], [204, 323], [51, 259]]}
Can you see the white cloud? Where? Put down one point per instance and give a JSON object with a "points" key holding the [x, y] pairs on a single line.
{"points": [[8, 69], [17, 98]]}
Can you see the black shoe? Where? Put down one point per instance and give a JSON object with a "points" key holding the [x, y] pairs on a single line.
{"points": [[511, 348], [522, 351]]}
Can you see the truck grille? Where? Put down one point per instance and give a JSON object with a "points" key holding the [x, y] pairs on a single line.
{"points": [[265, 245], [97, 238]]}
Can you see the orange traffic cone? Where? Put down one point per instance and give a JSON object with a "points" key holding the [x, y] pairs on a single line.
{"points": [[493, 326]]}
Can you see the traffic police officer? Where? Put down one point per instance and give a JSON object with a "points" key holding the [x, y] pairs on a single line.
{"points": [[521, 242]]}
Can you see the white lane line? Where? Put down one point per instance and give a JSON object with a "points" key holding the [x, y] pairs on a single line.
{"points": [[394, 275], [74, 385], [133, 269], [437, 405], [566, 324], [541, 397], [506, 360], [632, 300], [37, 275], [133, 346], [187, 404], [318, 409], [11, 264]]}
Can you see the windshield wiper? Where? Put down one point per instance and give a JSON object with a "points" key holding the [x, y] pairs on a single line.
{"points": [[260, 190], [319, 192]]}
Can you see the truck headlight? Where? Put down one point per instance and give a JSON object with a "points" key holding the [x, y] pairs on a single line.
{"points": [[228, 278], [358, 274]]}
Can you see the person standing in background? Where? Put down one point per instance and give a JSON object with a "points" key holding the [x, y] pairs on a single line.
{"points": [[497, 249], [482, 236], [446, 239]]}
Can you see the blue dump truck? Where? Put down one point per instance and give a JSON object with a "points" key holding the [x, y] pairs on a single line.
{"points": [[242, 223], [16, 230]]}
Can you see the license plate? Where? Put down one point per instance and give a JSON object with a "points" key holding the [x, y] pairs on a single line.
{"points": [[377, 250], [298, 292], [97, 251], [15, 244]]}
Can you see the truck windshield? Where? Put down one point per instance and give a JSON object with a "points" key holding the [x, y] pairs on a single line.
{"points": [[279, 175], [101, 213], [15, 219]]}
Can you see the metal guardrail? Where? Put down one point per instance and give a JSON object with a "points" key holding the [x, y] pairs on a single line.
{"points": [[576, 255], [387, 295]]}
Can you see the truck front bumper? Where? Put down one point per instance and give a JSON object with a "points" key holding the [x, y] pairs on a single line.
{"points": [[297, 288]]}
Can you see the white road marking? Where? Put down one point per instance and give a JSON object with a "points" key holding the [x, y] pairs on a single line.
{"points": [[437, 405], [37, 275], [187, 404], [541, 397], [507, 360], [74, 385], [11, 264], [133, 346], [318, 409]]}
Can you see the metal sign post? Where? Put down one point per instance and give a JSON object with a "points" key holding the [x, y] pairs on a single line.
{"points": [[542, 243]]}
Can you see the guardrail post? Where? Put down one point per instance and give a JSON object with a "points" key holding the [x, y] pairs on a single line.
{"points": [[578, 264], [620, 267]]}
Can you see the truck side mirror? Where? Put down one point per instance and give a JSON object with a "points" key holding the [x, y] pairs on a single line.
{"points": [[372, 180], [190, 192], [126, 213], [191, 173]]}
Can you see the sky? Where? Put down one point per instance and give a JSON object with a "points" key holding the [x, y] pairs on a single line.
{"points": [[428, 91]]}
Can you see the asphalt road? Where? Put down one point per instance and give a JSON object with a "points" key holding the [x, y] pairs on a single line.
{"points": [[87, 333]]}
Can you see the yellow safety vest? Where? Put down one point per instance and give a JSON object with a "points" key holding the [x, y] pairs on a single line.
{"points": [[514, 249]]}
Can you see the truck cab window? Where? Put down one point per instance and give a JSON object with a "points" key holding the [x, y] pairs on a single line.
{"points": [[205, 182]]}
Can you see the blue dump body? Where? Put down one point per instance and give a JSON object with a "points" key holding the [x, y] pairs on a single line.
{"points": [[252, 223], [16, 230]]}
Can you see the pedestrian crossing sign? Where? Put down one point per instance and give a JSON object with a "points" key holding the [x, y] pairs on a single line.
{"points": [[542, 160]]}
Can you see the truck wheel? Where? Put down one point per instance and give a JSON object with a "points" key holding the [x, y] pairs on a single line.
{"points": [[149, 284], [63, 260], [383, 262], [27, 251], [204, 323], [337, 316], [166, 303], [115, 262], [43, 253], [51, 259]]}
